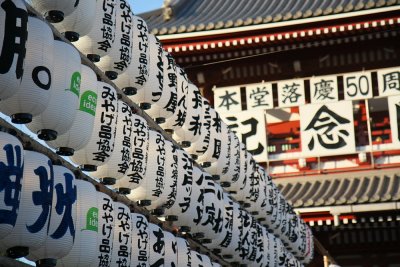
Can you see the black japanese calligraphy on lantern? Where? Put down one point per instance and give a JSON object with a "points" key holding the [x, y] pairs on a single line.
{"points": [[124, 236], [108, 26], [106, 231], [139, 150], [142, 71], [14, 39], [328, 129]]}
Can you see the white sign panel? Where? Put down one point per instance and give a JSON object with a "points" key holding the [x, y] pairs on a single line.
{"points": [[324, 89], [357, 85], [327, 129], [259, 96], [389, 81], [249, 127], [227, 99], [394, 112], [291, 93]]}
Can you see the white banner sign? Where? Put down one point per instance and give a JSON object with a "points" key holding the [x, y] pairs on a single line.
{"points": [[357, 85], [394, 112], [259, 96], [324, 89], [389, 81], [291, 93], [327, 129], [227, 99], [249, 127]]}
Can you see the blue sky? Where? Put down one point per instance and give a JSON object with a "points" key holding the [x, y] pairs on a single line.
{"points": [[140, 6]]}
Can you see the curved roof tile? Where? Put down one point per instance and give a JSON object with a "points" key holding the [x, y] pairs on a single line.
{"points": [[343, 190]]}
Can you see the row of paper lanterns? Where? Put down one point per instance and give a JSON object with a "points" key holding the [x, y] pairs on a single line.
{"points": [[84, 116], [55, 219]]}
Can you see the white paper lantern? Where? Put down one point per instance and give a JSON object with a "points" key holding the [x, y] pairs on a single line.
{"points": [[153, 185], [62, 224], [215, 264], [138, 163], [30, 230], [200, 260], [105, 236], [34, 94], [100, 40], [83, 252], [230, 173], [157, 245], [257, 191], [137, 74], [184, 187], [140, 240], [166, 105], [118, 164], [184, 252], [81, 130], [14, 24], [178, 118], [152, 91], [232, 241], [237, 184], [122, 236], [55, 10], [245, 184], [191, 128], [99, 149], [79, 22], [171, 250], [11, 171], [119, 58], [59, 114]]}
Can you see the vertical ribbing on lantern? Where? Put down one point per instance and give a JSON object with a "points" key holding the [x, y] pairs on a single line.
{"points": [[64, 94], [96, 42], [137, 74], [83, 252], [119, 58], [11, 154], [140, 240], [118, 163], [152, 186], [99, 149], [12, 25], [29, 231], [62, 223], [81, 130], [34, 94], [81, 20]]}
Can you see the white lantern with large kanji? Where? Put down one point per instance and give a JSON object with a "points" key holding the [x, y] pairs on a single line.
{"points": [[55, 10], [14, 24], [137, 74], [100, 147], [119, 58], [30, 229], [157, 245], [59, 114], [140, 241], [62, 224], [11, 176], [81, 130], [152, 186], [138, 161], [100, 40], [79, 22], [118, 164], [229, 172], [35, 89], [231, 242], [171, 250], [83, 251], [122, 246], [184, 252], [105, 236]]}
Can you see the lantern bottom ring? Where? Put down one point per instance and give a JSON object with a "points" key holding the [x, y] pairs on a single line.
{"points": [[21, 118], [65, 151], [129, 91], [71, 36], [184, 229], [169, 131], [216, 250], [112, 75], [46, 262], [108, 181], [225, 184], [17, 252], [47, 134], [198, 235], [93, 57], [229, 256], [206, 164], [144, 202], [216, 177], [185, 144], [145, 106], [54, 16], [206, 241], [194, 156], [124, 191], [157, 212], [88, 168], [159, 120], [171, 218]]}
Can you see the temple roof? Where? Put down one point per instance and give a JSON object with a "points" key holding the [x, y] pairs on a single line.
{"points": [[188, 16], [341, 189]]}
